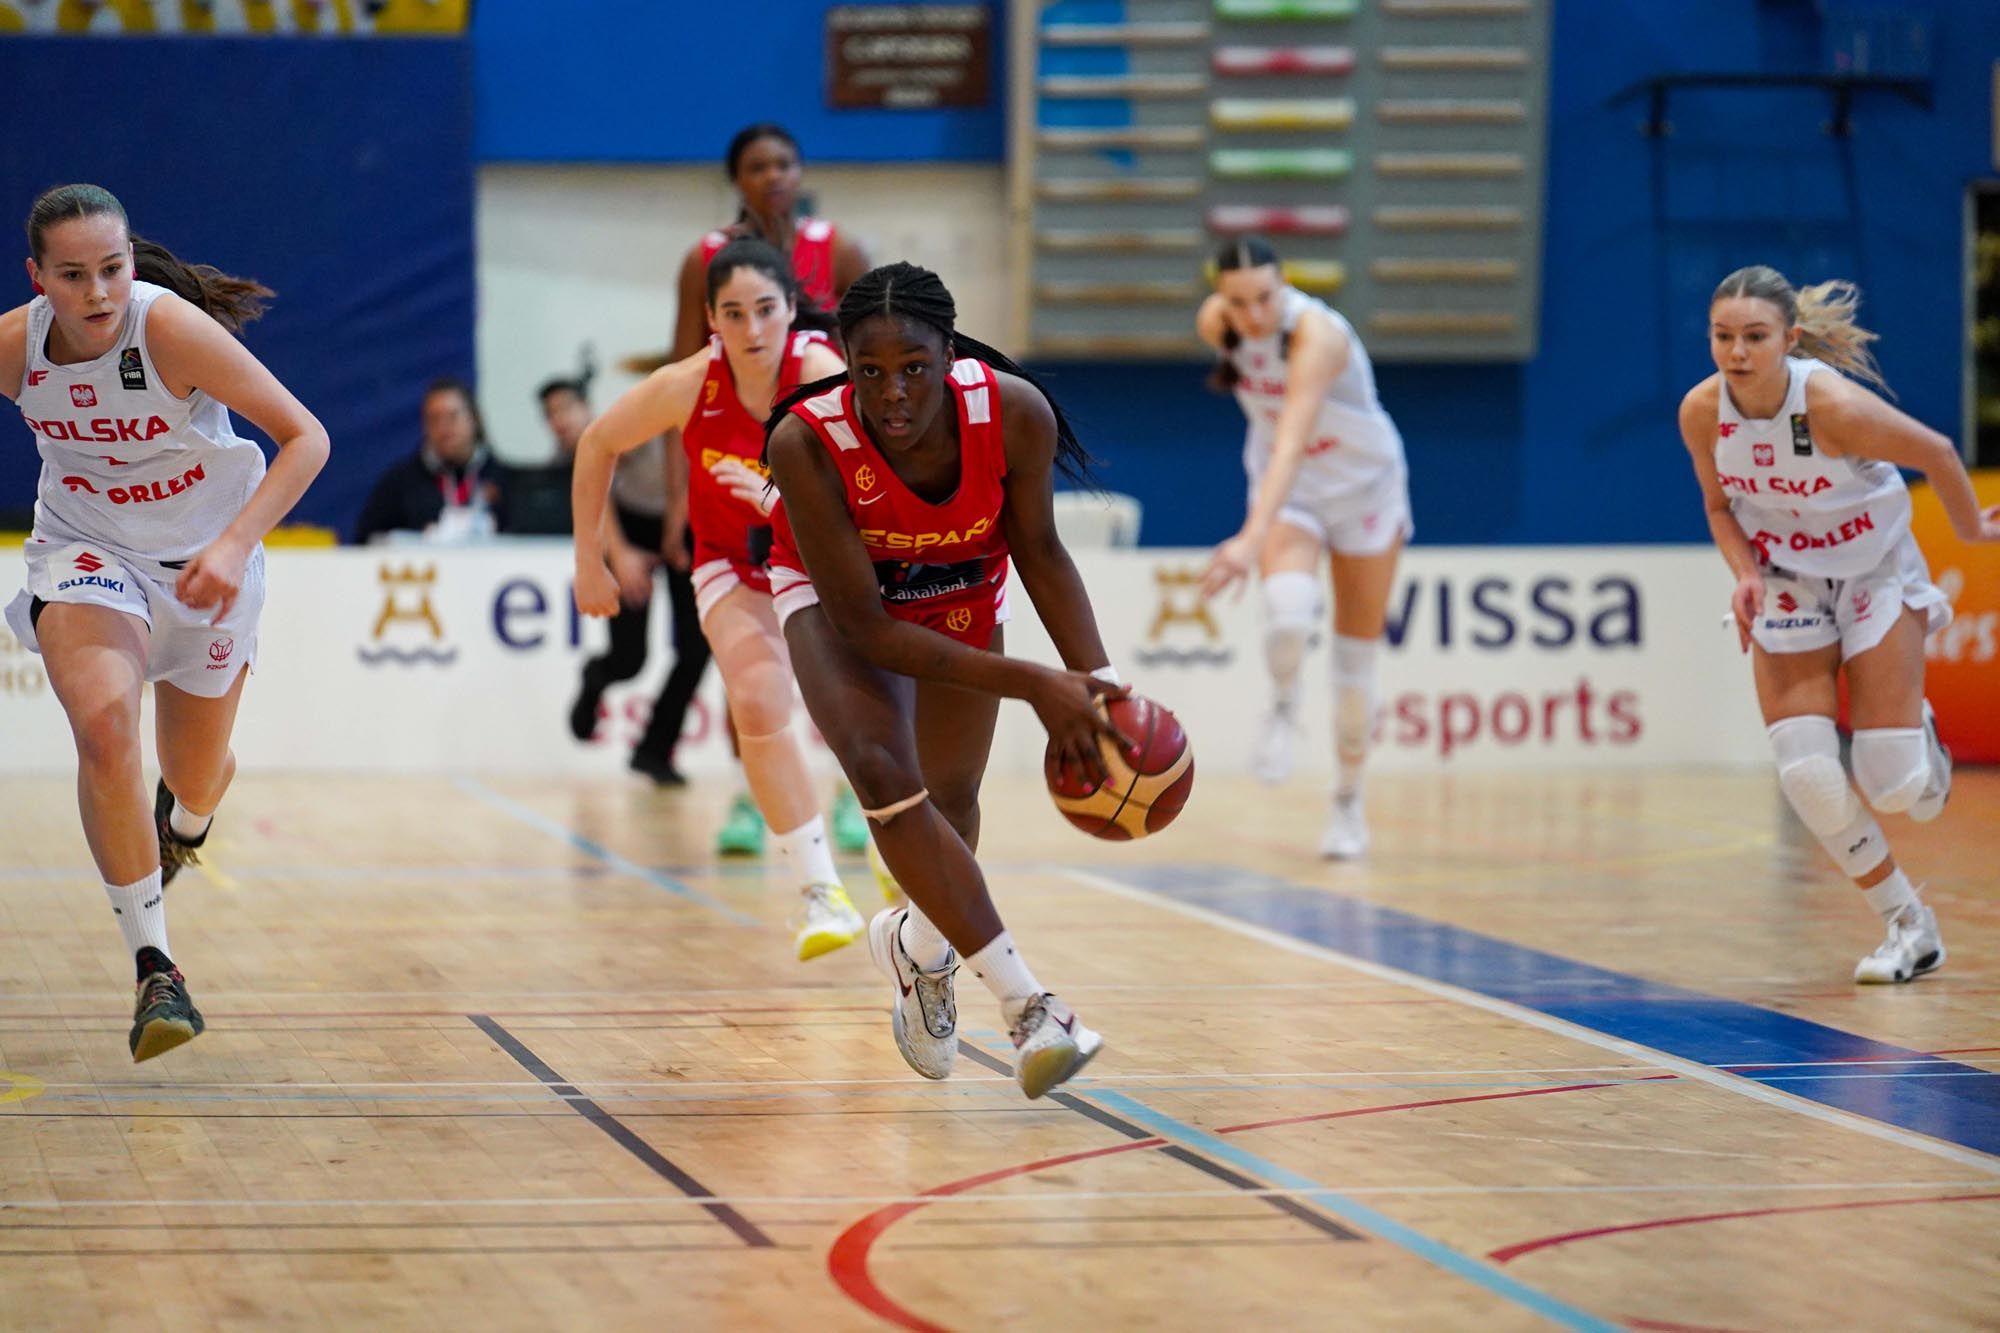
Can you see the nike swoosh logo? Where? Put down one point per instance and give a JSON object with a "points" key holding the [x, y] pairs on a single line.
{"points": [[873, 498], [711, 412]]}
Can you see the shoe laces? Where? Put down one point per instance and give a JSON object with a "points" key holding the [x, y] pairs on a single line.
{"points": [[158, 989], [935, 997], [1031, 1019]]}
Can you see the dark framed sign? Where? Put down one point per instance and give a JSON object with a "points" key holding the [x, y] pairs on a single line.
{"points": [[887, 55]]}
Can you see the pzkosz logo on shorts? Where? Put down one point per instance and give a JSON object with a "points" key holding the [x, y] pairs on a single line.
{"points": [[218, 653], [1861, 600]]}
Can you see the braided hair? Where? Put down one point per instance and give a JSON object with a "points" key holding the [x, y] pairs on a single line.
{"points": [[905, 291], [1241, 253]]}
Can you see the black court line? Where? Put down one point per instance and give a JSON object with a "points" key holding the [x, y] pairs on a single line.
{"points": [[1318, 1221], [745, 1230]]}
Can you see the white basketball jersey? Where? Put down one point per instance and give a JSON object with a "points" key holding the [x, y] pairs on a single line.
{"points": [[124, 462], [1354, 443], [1807, 512]]}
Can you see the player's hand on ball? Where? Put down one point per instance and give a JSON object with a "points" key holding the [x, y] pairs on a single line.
{"points": [[1748, 603], [213, 578], [1070, 712], [596, 589], [746, 484]]}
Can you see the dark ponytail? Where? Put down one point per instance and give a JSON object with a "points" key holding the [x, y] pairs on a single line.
{"points": [[230, 301], [905, 291], [1240, 253]]}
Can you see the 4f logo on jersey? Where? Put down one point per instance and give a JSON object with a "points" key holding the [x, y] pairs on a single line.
{"points": [[1726, 428], [82, 395], [1765, 455], [1801, 436], [36, 377], [131, 369]]}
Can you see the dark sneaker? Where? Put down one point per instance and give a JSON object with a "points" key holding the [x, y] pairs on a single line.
{"points": [[163, 1017], [660, 768], [175, 851]]}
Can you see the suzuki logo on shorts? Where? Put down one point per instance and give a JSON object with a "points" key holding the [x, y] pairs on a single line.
{"points": [[76, 484], [88, 563], [1766, 455], [1787, 603], [864, 477], [960, 620], [82, 395], [218, 653]]}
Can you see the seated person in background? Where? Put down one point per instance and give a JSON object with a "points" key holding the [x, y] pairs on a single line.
{"points": [[537, 498], [452, 488]]}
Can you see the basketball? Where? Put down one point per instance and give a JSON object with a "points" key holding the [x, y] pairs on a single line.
{"points": [[1149, 782]]}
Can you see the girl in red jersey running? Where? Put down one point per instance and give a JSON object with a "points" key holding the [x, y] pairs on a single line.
{"points": [[125, 370], [717, 401], [1798, 469], [906, 487]]}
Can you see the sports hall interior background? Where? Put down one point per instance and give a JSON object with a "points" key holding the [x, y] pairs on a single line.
{"points": [[502, 191]]}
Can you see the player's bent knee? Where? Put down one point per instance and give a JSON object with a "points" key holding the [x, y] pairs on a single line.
{"points": [[1807, 750], [1891, 766], [880, 777]]}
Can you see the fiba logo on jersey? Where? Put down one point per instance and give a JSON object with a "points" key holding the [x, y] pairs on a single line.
{"points": [[406, 606], [1180, 612], [864, 477], [131, 369]]}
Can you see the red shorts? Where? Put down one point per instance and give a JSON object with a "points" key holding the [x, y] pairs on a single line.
{"points": [[969, 620]]}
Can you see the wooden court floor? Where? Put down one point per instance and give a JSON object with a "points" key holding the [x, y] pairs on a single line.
{"points": [[1575, 1051]]}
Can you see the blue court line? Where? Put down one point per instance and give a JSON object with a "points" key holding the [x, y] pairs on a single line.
{"points": [[1349, 1210], [480, 792], [1724, 1034]]}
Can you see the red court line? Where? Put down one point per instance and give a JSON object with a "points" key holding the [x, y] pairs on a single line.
{"points": [[1507, 1253], [847, 1260], [1664, 1326]]}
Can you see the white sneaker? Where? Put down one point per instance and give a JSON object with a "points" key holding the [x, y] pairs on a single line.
{"points": [[826, 920], [1910, 949], [1050, 1045], [885, 880], [925, 1015], [1931, 804], [1346, 835], [1272, 753]]}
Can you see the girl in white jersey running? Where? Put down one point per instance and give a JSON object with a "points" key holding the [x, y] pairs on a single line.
{"points": [[1326, 474], [146, 562], [1798, 469]]}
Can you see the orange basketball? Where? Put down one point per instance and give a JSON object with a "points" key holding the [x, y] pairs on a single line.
{"points": [[1149, 782]]}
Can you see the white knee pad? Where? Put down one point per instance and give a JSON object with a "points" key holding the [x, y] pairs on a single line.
{"points": [[1292, 608], [1891, 766], [1809, 772]]}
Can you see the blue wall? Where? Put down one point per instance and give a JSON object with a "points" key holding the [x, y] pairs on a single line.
{"points": [[339, 173], [676, 78], [1580, 445]]}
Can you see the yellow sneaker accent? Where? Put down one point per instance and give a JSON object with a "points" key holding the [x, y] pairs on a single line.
{"points": [[892, 892], [828, 921]]}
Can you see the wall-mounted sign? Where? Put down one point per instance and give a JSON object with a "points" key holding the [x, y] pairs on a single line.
{"points": [[908, 55], [161, 18]]}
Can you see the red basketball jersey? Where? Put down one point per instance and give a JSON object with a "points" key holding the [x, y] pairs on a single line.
{"points": [[721, 427], [812, 257], [943, 566]]}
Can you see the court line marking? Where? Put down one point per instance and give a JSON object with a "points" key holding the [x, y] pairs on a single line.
{"points": [[623, 1136], [1474, 1270], [1631, 1050], [534, 819], [1026, 1196]]}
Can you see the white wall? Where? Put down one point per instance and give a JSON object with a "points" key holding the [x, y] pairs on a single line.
{"points": [[569, 255]]}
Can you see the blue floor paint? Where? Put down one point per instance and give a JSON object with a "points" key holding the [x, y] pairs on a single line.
{"points": [[1379, 1224], [1728, 1034]]}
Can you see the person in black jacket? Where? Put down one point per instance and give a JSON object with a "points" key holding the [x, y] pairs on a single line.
{"points": [[452, 487]]}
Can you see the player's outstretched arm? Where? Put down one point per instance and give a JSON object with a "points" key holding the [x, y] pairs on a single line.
{"points": [[1849, 420]]}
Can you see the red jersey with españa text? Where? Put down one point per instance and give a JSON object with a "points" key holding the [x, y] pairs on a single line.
{"points": [[812, 256], [944, 565], [725, 527]]}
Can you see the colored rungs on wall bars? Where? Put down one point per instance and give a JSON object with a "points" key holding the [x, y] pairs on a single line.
{"points": [[1454, 9], [1171, 291], [1124, 136], [1124, 34], [1158, 240], [1124, 85], [1307, 220], [1282, 163], [1308, 275], [1242, 61], [1285, 11], [1289, 113], [1172, 187]]}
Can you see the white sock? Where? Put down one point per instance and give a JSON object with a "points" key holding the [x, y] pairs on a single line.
{"points": [[807, 854], [1892, 895], [1000, 966], [142, 913], [1353, 708], [186, 824], [927, 948]]}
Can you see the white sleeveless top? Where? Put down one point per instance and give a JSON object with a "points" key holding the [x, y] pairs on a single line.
{"points": [[1805, 511], [124, 462], [1354, 443]]}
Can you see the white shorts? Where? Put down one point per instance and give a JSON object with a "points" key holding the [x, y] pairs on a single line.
{"points": [[1357, 523], [1803, 612], [184, 649]]}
